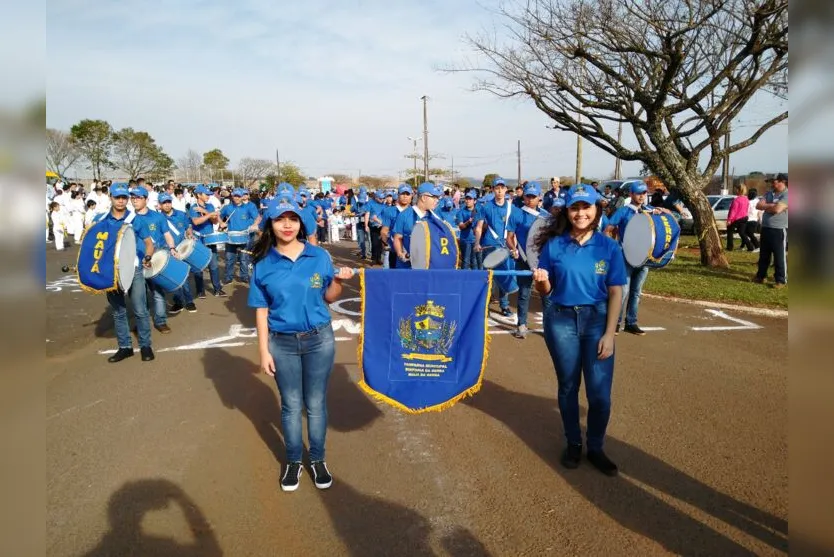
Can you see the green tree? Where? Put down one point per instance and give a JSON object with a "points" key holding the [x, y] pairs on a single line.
{"points": [[415, 181], [290, 172], [216, 161], [489, 180], [94, 141], [163, 168], [137, 153]]}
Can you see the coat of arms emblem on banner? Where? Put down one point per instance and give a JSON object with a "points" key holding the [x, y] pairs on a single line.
{"points": [[426, 335]]}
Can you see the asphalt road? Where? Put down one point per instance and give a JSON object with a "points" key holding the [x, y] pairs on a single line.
{"points": [[180, 456]]}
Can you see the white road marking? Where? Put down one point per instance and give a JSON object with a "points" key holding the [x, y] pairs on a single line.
{"points": [[742, 324]]}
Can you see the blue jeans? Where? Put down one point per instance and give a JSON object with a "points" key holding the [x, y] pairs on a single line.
{"points": [[525, 290], [214, 274], [361, 240], [160, 305], [468, 255], [572, 336], [139, 303], [303, 363], [183, 295], [233, 254], [635, 279], [503, 297]]}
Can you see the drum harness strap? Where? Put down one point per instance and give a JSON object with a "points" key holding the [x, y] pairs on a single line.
{"points": [[506, 221]]}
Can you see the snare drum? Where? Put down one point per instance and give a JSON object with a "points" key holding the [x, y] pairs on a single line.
{"points": [[499, 260], [169, 273], [195, 254], [238, 237], [532, 250], [215, 239], [107, 257], [651, 240]]}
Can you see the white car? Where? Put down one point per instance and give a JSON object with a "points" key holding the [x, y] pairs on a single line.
{"points": [[720, 207]]}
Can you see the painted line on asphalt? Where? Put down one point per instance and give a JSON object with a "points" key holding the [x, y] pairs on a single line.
{"points": [[766, 312]]}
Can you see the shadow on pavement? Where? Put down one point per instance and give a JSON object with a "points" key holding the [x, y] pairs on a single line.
{"points": [[237, 384], [371, 526], [237, 304], [348, 408], [532, 419], [126, 510]]}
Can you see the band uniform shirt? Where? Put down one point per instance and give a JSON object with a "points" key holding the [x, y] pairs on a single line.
{"points": [[389, 217], [293, 291], [770, 220], [180, 221], [404, 225], [205, 227], [521, 222], [129, 218], [581, 274], [240, 217], [467, 235], [150, 224], [495, 219]]}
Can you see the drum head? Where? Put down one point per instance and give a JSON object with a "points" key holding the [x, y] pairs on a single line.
{"points": [[638, 240], [126, 254], [185, 248], [531, 250], [158, 261], [419, 253], [496, 258]]}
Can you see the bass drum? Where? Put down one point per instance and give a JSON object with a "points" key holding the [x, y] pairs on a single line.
{"points": [[433, 245], [531, 250]]}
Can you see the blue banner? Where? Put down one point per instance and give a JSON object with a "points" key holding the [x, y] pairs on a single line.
{"points": [[424, 339], [96, 264]]}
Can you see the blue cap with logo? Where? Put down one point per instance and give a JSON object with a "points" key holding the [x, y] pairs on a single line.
{"points": [[362, 197], [389, 193], [119, 191], [533, 188], [581, 193], [558, 202], [430, 189], [282, 205], [202, 189], [499, 182], [139, 191], [446, 204], [165, 198], [639, 187], [405, 188], [285, 186], [471, 194], [237, 192]]}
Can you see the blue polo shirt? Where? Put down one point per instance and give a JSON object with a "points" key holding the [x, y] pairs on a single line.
{"points": [[206, 227], [376, 209], [153, 225], [240, 217], [548, 198], [292, 290], [623, 216], [389, 217], [360, 209], [180, 221], [467, 235], [309, 218], [450, 216], [404, 225], [495, 216], [581, 275], [520, 225]]}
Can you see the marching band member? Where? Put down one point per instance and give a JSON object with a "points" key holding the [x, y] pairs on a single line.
{"points": [[239, 217], [389, 217], [373, 225], [155, 226], [582, 271], [137, 292], [519, 229], [635, 276], [491, 232], [292, 284], [179, 220], [360, 209], [308, 216], [203, 218], [465, 221], [428, 195]]}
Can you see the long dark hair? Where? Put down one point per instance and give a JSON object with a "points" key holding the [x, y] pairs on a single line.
{"points": [[267, 240], [556, 226]]}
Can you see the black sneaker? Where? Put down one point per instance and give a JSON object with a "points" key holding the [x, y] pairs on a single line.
{"points": [[634, 329], [120, 355], [507, 312], [191, 308], [321, 475], [147, 353], [572, 456], [220, 293], [602, 463], [201, 295], [291, 477], [175, 309], [617, 330]]}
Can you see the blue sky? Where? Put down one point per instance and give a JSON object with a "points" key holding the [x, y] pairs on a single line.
{"points": [[334, 86]]}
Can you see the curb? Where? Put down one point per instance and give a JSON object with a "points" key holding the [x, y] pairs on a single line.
{"points": [[777, 313]]}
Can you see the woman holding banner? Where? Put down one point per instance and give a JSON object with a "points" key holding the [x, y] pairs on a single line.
{"points": [[292, 284], [582, 272]]}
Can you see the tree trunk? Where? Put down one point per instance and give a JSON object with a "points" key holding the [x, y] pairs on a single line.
{"points": [[712, 252]]}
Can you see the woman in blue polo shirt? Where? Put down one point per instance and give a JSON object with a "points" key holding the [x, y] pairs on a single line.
{"points": [[292, 284], [582, 272]]}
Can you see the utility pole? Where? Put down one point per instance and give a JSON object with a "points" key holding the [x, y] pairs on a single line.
{"points": [[579, 154], [278, 165], [424, 98], [518, 156], [619, 162], [414, 156], [725, 164]]}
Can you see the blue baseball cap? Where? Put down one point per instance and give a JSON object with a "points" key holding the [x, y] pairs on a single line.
{"points": [[446, 204], [582, 192], [119, 191], [389, 193], [471, 194], [558, 202], [165, 198], [139, 191], [237, 192], [283, 205], [303, 192], [362, 197], [639, 187], [499, 182], [405, 188], [285, 186], [202, 189], [533, 188], [429, 188]]}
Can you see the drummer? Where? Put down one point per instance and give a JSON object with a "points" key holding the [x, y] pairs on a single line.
{"points": [[428, 196], [517, 237], [182, 224], [491, 232], [389, 217], [204, 216], [635, 276], [239, 217], [582, 272], [465, 220]]}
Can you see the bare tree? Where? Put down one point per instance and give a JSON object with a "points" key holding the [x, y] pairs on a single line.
{"points": [[252, 170], [677, 72], [191, 164], [61, 151]]}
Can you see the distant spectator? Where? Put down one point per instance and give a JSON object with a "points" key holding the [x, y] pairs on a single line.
{"points": [[737, 218], [753, 216], [774, 237]]}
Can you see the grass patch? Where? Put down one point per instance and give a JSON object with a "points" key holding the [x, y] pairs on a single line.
{"points": [[686, 278]]}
